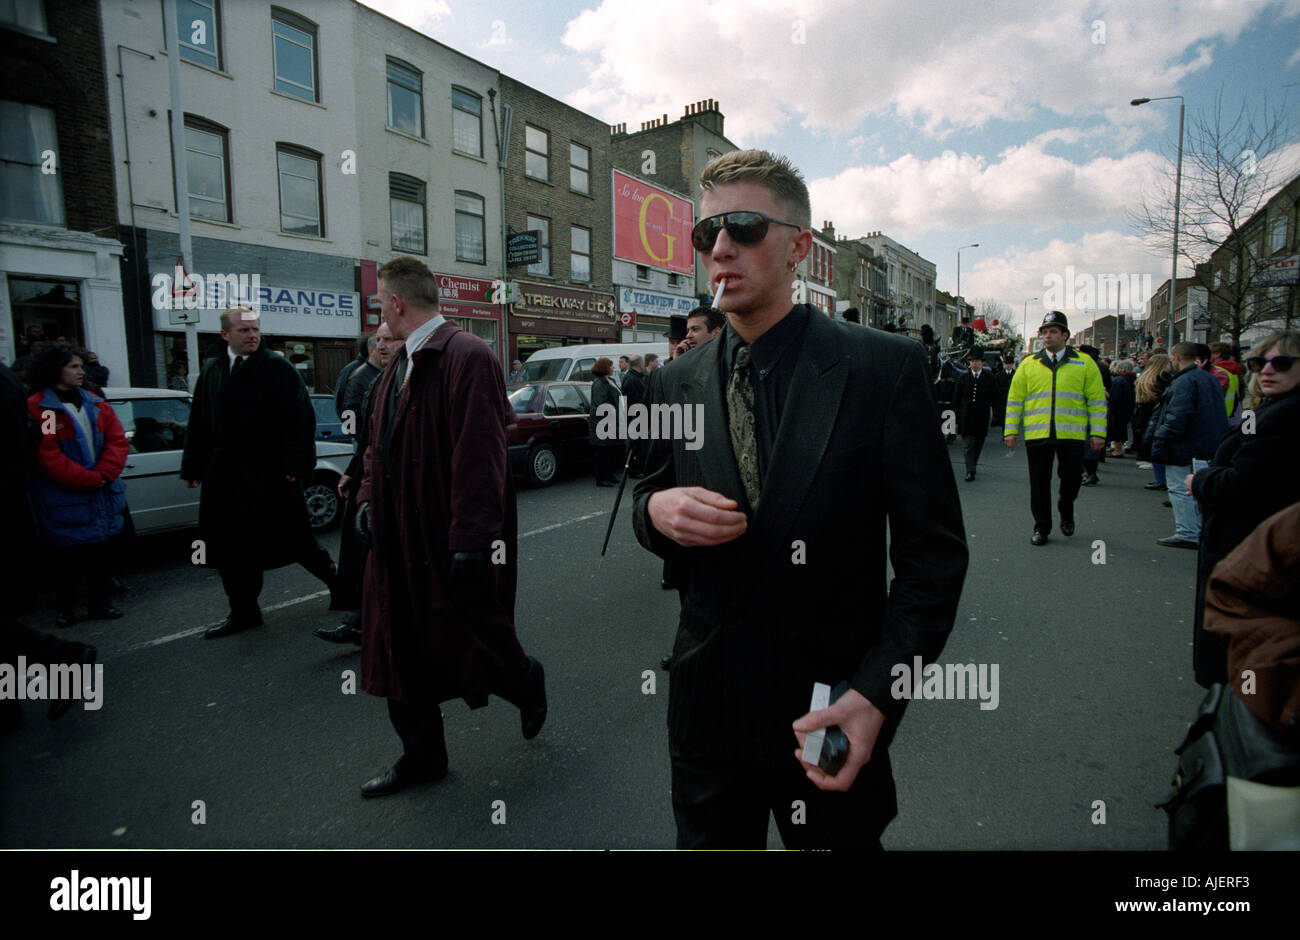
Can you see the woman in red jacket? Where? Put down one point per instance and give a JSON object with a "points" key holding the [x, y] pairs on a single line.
{"points": [[76, 492]]}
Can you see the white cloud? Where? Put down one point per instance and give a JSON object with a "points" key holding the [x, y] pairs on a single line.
{"points": [[1017, 274], [1026, 185], [417, 14], [940, 65]]}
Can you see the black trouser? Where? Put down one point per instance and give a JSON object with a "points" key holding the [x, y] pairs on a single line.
{"points": [[424, 745], [88, 559], [243, 583], [1069, 468], [726, 805], [974, 445], [605, 462]]}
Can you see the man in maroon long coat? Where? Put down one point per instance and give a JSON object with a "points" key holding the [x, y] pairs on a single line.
{"points": [[438, 503]]}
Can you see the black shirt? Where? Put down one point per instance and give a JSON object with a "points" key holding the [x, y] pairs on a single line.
{"points": [[772, 359]]}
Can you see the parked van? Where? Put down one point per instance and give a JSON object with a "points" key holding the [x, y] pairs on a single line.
{"points": [[573, 363]]}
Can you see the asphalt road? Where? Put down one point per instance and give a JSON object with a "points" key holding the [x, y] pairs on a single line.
{"points": [[1095, 691]]}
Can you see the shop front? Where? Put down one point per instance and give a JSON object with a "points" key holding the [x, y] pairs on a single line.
{"points": [[65, 286], [546, 316], [650, 312]]}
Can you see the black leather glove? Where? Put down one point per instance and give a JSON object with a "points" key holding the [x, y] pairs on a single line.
{"points": [[469, 578], [361, 524]]}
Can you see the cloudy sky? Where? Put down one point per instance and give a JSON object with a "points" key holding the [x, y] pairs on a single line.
{"points": [[940, 123]]}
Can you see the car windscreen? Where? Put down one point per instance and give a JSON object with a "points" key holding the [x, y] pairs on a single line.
{"points": [[521, 399], [324, 407], [153, 424], [542, 370]]}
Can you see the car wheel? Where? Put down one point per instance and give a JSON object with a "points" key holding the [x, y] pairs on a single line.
{"points": [[543, 465], [322, 498]]}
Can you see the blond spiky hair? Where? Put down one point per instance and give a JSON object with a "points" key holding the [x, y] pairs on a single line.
{"points": [[769, 170]]}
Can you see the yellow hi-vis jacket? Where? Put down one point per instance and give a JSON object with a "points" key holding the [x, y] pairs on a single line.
{"points": [[1065, 403], [1229, 396]]}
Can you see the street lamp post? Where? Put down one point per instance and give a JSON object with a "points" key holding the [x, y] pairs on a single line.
{"points": [[960, 306], [1026, 321], [1178, 191]]}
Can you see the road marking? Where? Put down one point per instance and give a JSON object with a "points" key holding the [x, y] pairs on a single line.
{"points": [[548, 528], [195, 631]]}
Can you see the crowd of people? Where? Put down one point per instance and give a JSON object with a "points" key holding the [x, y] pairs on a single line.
{"points": [[828, 436]]}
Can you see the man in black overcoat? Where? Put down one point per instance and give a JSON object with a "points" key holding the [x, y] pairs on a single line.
{"points": [[251, 445], [973, 398], [815, 435]]}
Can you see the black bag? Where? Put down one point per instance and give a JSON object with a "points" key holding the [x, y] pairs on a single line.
{"points": [[1225, 740]]}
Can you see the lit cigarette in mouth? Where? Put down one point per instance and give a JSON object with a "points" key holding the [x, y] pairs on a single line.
{"points": [[722, 285]]}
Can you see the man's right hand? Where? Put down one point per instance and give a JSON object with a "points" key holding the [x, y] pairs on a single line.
{"points": [[693, 516], [1010, 440], [361, 524]]}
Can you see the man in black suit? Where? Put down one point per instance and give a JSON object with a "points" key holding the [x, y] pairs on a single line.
{"points": [[814, 433], [251, 445], [973, 399]]}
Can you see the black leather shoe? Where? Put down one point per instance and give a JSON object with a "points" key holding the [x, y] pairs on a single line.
{"points": [[532, 717], [1067, 527], [65, 619], [1174, 542], [398, 777], [970, 475], [106, 612], [1038, 538], [229, 626], [1090, 480], [343, 633], [60, 707], [666, 663], [1153, 485]]}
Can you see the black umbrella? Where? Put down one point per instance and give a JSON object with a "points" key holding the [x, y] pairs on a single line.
{"points": [[617, 499]]}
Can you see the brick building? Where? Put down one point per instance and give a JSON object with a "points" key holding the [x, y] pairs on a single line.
{"points": [[558, 184], [59, 257], [672, 154]]}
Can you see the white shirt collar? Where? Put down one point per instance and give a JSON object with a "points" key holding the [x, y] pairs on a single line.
{"points": [[421, 333]]}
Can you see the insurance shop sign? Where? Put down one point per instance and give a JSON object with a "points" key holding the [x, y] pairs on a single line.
{"points": [[284, 310]]}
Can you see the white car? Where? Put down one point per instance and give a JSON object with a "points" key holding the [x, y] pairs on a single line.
{"points": [[155, 420]]}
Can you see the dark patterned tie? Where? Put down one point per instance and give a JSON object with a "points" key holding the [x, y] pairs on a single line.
{"points": [[239, 361], [740, 421]]}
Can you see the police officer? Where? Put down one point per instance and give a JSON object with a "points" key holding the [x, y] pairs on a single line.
{"points": [[1058, 397]]}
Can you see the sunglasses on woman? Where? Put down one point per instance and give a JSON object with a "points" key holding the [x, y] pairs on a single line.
{"points": [[1280, 363], [743, 228]]}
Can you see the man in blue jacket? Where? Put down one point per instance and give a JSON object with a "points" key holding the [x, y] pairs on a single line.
{"points": [[1188, 423]]}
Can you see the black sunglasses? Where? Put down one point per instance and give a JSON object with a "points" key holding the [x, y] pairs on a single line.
{"points": [[1280, 363], [743, 228]]}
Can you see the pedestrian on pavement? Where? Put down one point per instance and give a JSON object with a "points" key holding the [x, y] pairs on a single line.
{"points": [[634, 390], [1094, 456], [1252, 475], [1147, 390], [651, 363], [346, 594], [605, 450], [437, 502], [973, 396], [677, 344], [1002, 385], [816, 433], [363, 351], [516, 371], [624, 364], [251, 444], [1185, 429], [76, 491], [1058, 399], [358, 381], [1119, 406], [1227, 366], [96, 372]]}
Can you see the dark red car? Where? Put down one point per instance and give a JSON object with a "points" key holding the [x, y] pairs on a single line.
{"points": [[549, 431]]}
